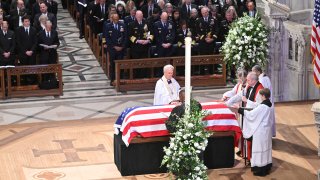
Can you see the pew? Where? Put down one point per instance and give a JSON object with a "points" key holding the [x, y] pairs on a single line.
{"points": [[217, 78], [19, 90], [2, 84]]}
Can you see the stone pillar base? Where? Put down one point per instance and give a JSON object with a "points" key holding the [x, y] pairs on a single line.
{"points": [[316, 110]]}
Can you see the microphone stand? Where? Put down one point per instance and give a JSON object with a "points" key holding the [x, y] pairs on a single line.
{"points": [[242, 119]]}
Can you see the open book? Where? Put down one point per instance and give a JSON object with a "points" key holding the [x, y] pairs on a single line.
{"points": [[8, 66], [98, 18], [49, 47], [82, 4]]}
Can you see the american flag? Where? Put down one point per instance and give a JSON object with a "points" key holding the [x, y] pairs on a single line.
{"points": [[315, 43], [150, 121]]}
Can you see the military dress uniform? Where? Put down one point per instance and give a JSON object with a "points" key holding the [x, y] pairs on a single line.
{"points": [[137, 32], [206, 28], [115, 35], [164, 33]]}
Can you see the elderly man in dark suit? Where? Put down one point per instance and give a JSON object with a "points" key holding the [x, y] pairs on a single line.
{"points": [[48, 37], [44, 10], [100, 15], [7, 45]]}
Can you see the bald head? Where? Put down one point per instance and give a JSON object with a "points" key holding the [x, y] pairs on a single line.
{"points": [[139, 16], [164, 17]]}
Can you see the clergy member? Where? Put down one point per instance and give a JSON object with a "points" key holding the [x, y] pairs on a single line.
{"points": [[167, 88], [250, 99], [238, 88], [266, 83], [257, 126]]}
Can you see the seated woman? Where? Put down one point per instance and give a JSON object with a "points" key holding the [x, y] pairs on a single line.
{"points": [[257, 126], [178, 111]]}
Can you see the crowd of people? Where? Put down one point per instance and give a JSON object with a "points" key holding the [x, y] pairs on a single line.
{"points": [[28, 32], [251, 98], [157, 28]]}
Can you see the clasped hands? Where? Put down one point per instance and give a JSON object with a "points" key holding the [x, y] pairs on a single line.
{"points": [[143, 42]]}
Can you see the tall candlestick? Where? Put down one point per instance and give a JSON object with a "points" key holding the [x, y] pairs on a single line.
{"points": [[187, 83]]}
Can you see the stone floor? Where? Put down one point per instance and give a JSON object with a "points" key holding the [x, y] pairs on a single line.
{"points": [[87, 91]]}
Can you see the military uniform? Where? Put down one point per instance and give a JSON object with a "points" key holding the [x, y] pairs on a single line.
{"points": [[115, 35], [137, 32], [164, 33], [206, 29]]}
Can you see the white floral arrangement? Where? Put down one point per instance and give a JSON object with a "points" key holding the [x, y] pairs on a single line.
{"points": [[182, 157], [246, 43]]}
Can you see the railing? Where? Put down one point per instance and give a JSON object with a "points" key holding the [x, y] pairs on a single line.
{"points": [[18, 90], [155, 65]]}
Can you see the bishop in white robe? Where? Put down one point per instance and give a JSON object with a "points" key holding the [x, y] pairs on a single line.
{"points": [[257, 126], [167, 88]]}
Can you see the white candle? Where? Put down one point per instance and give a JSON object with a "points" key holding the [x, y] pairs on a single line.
{"points": [[187, 83]]}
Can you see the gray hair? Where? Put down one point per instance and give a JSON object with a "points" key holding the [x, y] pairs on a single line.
{"points": [[242, 73], [257, 68], [167, 67], [253, 76]]}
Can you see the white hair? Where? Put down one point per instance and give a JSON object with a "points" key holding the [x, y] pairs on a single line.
{"points": [[253, 76], [167, 67]]}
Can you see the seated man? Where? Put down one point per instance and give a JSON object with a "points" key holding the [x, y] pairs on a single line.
{"points": [[167, 88], [257, 128]]}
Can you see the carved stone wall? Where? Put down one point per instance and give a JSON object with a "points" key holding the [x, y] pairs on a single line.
{"points": [[290, 63]]}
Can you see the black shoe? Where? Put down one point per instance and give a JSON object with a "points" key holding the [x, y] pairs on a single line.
{"points": [[81, 36], [239, 153]]}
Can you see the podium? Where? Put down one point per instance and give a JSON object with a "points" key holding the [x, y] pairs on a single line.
{"points": [[144, 155]]}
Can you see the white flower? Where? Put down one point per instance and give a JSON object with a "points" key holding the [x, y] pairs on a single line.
{"points": [[197, 168], [190, 125]]}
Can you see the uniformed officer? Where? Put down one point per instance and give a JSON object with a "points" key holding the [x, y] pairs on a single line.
{"points": [[207, 31], [164, 33], [116, 38], [140, 37]]}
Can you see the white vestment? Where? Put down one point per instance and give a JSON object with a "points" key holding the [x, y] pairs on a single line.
{"points": [[258, 126], [266, 82], [165, 93], [237, 89]]}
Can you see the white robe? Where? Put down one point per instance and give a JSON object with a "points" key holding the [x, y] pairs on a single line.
{"points": [[257, 125], [162, 96], [266, 83]]}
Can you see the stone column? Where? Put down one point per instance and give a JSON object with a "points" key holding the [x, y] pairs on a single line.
{"points": [[316, 110]]}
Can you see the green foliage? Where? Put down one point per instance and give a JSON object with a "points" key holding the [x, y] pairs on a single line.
{"points": [[246, 43], [182, 156]]}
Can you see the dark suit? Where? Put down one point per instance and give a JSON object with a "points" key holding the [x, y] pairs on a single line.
{"points": [[115, 37], [184, 13], [14, 17], [5, 6], [7, 44], [51, 17], [82, 11], [97, 15], [53, 7], [164, 34], [25, 43], [148, 12], [128, 20], [48, 56]]}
